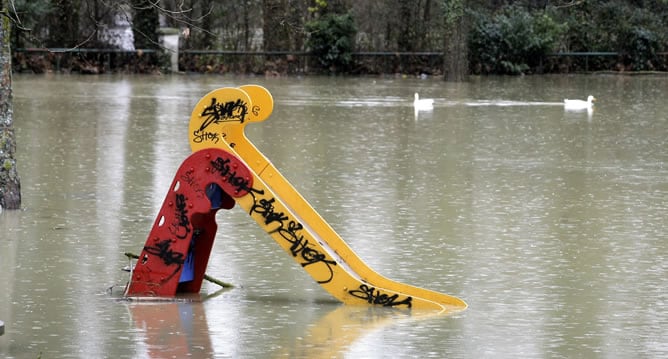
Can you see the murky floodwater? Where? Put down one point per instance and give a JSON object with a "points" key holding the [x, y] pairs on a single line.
{"points": [[552, 225]]}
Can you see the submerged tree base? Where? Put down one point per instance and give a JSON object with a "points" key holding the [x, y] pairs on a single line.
{"points": [[10, 185]]}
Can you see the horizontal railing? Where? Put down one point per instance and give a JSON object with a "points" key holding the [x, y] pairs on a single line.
{"points": [[429, 56], [79, 49]]}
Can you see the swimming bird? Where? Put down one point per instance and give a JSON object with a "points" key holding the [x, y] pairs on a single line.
{"points": [[423, 104], [579, 104]]}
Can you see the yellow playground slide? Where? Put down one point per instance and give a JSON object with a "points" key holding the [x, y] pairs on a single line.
{"points": [[218, 121]]}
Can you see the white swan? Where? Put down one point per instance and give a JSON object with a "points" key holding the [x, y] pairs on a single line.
{"points": [[579, 104], [423, 104]]}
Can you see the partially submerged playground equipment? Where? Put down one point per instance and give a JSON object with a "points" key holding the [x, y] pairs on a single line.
{"points": [[227, 169]]}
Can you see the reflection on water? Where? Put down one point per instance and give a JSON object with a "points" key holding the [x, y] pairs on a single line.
{"points": [[182, 328], [549, 223], [171, 330]]}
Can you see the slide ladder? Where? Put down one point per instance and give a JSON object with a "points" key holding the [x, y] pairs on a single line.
{"points": [[227, 169]]}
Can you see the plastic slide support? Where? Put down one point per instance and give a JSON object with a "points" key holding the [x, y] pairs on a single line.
{"points": [[218, 121], [226, 168], [185, 228]]}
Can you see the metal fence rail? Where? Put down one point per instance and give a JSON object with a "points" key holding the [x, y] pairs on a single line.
{"points": [[294, 61]]}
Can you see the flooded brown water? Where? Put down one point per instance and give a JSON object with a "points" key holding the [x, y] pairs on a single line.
{"points": [[550, 224]]}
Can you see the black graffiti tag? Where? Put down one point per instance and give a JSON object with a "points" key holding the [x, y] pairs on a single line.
{"points": [[181, 224], [229, 174], [216, 112], [189, 178], [288, 230], [374, 296], [201, 136], [163, 249]]}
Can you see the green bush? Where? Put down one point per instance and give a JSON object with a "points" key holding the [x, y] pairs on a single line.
{"points": [[637, 33], [641, 39], [640, 49], [514, 41], [331, 40]]}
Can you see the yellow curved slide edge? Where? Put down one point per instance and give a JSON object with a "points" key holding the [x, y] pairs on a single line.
{"points": [[218, 120]]}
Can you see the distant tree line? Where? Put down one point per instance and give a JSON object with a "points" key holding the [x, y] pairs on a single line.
{"points": [[346, 36]]}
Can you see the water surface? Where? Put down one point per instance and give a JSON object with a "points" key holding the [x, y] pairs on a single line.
{"points": [[550, 224]]}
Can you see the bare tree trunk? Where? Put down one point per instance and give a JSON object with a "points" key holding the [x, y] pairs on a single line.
{"points": [[407, 33], [275, 28], [276, 33], [296, 15], [455, 62], [10, 184], [145, 24], [65, 24], [208, 40]]}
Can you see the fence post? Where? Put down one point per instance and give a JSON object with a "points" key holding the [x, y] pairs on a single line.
{"points": [[169, 39]]}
